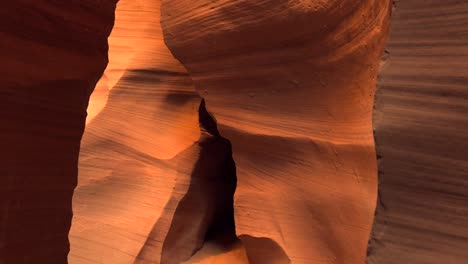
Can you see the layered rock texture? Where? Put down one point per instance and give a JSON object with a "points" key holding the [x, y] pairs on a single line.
{"points": [[421, 124], [156, 178], [296, 106], [295, 98], [233, 131]]}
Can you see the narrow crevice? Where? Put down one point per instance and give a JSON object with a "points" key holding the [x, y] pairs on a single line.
{"points": [[206, 212]]}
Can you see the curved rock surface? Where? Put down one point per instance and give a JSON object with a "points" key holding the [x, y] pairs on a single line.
{"points": [[270, 99], [306, 170], [138, 151], [295, 98]]}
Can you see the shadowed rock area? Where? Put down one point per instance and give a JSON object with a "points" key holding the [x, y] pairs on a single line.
{"points": [[52, 53], [421, 124], [206, 212], [261, 250]]}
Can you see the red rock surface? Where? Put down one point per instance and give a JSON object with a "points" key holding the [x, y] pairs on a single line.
{"points": [[287, 122], [295, 99], [136, 155], [301, 135]]}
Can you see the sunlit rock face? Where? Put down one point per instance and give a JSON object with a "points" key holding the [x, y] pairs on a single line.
{"points": [[138, 151], [291, 84], [421, 119]]}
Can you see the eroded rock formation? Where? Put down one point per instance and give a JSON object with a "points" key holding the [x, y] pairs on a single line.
{"points": [[295, 99], [137, 153], [290, 88], [137, 143], [299, 165]]}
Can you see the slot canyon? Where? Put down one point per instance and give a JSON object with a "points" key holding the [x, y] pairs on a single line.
{"points": [[234, 132]]}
